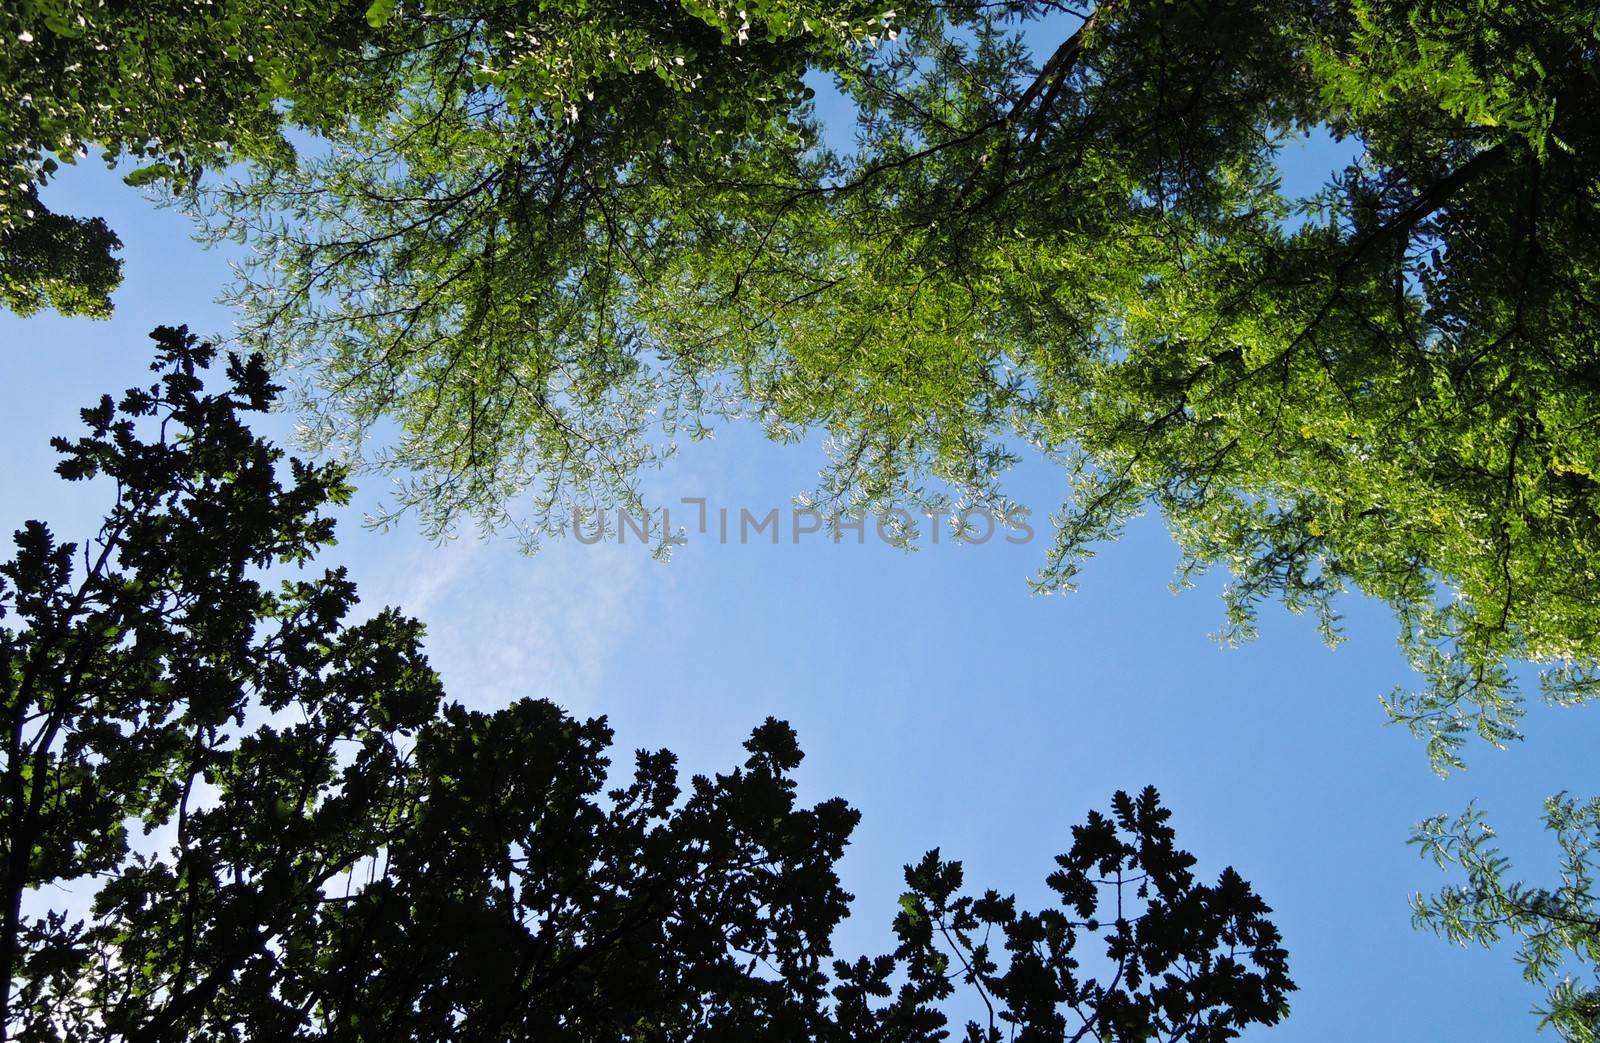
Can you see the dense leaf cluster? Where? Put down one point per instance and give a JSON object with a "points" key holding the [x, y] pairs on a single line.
{"points": [[548, 242], [179, 85], [1388, 386]]}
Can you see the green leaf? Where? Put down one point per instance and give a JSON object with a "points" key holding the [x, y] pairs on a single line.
{"points": [[379, 13], [146, 175], [61, 25]]}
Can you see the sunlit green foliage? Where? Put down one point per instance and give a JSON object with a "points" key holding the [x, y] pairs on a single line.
{"points": [[53, 261], [1557, 927], [468, 262], [1389, 386], [175, 86], [550, 245]]}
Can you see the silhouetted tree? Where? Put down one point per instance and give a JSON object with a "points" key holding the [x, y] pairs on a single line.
{"points": [[330, 853]]}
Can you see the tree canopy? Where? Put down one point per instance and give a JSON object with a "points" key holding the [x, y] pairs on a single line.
{"points": [[1386, 386], [177, 86], [548, 243], [290, 835], [183, 85], [542, 243]]}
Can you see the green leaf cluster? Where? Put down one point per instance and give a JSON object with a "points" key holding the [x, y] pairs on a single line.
{"points": [[1557, 927]]}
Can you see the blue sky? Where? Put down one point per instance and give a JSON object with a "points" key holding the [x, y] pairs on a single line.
{"points": [[930, 689]]}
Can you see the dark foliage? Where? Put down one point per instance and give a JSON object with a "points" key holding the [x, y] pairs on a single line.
{"points": [[330, 853]]}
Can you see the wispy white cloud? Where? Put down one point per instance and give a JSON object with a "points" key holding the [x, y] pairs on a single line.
{"points": [[503, 625]]}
